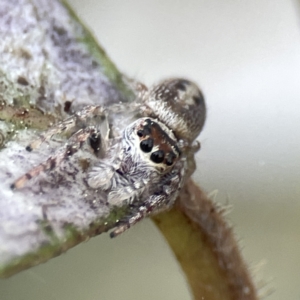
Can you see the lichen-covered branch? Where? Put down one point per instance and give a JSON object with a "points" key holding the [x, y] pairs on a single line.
{"points": [[49, 66]]}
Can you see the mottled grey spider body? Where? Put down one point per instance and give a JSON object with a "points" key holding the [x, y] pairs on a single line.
{"points": [[149, 162]]}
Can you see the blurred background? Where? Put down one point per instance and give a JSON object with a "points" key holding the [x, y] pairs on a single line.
{"points": [[245, 55]]}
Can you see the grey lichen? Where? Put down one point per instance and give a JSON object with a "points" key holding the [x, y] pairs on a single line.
{"points": [[49, 66]]}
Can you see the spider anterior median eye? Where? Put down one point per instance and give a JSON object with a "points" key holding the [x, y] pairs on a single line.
{"points": [[146, 145], [158, 156]]}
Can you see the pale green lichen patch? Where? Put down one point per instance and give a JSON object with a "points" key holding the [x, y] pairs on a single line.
{"points": [[22, 117], [13, 93]]}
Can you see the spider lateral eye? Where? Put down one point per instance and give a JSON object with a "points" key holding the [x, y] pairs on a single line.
{"points": [[146, 129], [158, 156], [170, 159], [146, 145], [140, 133]]}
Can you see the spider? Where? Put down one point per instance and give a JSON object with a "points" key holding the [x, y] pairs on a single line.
{"points": [[148, 163]]}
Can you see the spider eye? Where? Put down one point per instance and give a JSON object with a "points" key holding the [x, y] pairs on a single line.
{"points": [[145, 131], [157, 156], [170, 159], [140, 133], [146, 145]]}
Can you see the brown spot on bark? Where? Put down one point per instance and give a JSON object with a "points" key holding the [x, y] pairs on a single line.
{"points": [[22, 80]]}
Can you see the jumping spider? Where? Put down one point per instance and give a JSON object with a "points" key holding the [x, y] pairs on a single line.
{"points": [[148, 163]]}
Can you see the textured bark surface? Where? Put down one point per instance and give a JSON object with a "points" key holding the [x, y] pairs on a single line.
{"points": [[49, 67]]}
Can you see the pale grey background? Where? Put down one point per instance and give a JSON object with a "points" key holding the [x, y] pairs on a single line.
{"points": [[246, 57]]}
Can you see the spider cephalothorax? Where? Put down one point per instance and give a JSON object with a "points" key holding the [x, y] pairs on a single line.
{"points": [[148, 162], [148, 150]]}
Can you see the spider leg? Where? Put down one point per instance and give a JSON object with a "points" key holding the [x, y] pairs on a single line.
{"points": [[72, 146], [104, 174], [160, 200], [76, 121], [153, 205]]}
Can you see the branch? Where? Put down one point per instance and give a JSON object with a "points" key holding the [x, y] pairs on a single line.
{"points": [[205, 246]]}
